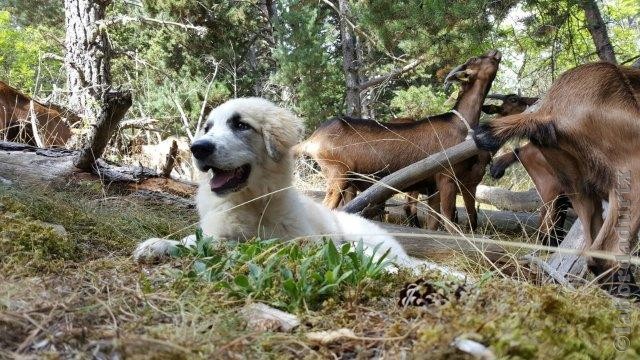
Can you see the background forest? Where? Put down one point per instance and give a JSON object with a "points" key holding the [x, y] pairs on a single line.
{"points": [[173, 54]]}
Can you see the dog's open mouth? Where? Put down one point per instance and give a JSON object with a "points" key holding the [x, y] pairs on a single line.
{"points": [[229, 180]]}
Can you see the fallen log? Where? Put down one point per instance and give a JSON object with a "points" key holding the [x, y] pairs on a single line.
{"points": [[504, 199], [21, 163], [422, 244], [504, 221], [391, 184]]}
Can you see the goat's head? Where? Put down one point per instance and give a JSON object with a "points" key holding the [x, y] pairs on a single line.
{"points": [[511, 104], [483, 68]]}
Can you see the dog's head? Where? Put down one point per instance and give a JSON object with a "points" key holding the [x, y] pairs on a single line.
{"points": [[242, 137]]}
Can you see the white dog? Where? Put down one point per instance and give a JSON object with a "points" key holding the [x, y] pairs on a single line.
{"points": [[246, 188]]}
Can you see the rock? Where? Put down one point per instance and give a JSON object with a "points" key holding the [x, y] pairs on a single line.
{"points": [[261, 317], [331, 336], [473, 348], [57, 228], [5, 182]]}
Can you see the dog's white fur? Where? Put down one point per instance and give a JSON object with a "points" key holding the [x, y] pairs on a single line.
{"points": [[268, 206]]}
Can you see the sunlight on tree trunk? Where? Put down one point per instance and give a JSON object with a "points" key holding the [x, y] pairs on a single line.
{"points": [[88, 58], [598, 30]]}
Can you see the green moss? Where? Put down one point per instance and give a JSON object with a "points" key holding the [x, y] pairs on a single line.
{"points": [[86, 280], [25, 241], [97, 219]]}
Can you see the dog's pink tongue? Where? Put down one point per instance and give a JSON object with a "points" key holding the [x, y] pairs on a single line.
{"points": [[220, 178]]}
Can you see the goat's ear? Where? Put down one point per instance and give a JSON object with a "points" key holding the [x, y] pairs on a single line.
{"points": [[281, 133], [490, 109]]}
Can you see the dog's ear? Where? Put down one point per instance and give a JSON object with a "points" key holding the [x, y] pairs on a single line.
{"points": [[281, 133]]}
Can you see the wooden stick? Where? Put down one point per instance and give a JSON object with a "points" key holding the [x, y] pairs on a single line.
{"points": [[171, 159], [184, 118], [509, 200], [115, 105], [34, 125]]}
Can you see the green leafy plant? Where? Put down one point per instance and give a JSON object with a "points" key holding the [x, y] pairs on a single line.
{"points": [[289, 275]]}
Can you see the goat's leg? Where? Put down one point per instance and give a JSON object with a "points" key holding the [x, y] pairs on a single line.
{"points": [[585, 206], [560, 207], [411, 208], [617, 236], [552, 216], [448, 191], [432, 221], [469, 197], [348, 194], [336, 184], [544, 230]]}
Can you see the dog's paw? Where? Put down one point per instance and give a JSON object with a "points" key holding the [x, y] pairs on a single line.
{"points": [[153, 249]]}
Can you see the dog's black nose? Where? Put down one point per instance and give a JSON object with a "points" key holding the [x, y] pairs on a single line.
{"points": [[202, 148]]}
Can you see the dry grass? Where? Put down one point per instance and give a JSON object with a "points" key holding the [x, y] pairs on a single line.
{"points": [[80, 295]]}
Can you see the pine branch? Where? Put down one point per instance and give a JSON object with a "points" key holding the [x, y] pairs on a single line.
{"points": [[123, 20], [398, 71]]}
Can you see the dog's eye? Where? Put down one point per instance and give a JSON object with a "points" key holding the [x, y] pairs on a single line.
{"points": [[207, 127], [237, 124]]}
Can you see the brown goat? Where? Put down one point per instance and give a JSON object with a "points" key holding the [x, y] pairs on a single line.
{"points": [[15, 125], [344, 146], [555, 203], [554, 211], [511, 104], [588, 129]]}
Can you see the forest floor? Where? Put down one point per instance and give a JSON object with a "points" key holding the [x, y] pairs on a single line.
{"points": [[77, 293]]}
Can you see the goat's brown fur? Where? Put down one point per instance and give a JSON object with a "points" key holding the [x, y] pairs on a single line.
{"points": [[344, 146], [16, 126], [588, 129], [555, 203], [511, 104]]}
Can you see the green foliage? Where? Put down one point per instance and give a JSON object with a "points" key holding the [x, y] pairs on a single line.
{"points": [[291, 52], [20, 52], [290, 275], [309, 60], [419, 101]]}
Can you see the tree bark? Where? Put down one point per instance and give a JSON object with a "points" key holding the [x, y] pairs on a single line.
{"points": [[114, 106], [87, 57], [412, 174], [88, 63], [598, 30], [350, 62]]}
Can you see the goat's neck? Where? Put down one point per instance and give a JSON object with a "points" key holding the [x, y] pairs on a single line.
{"points": [[469, 103]]}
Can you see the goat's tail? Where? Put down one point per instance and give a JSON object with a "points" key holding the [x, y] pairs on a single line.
{"points": [[502, 162], [539, 129]]}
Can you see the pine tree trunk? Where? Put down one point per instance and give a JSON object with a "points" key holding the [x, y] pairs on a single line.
{"points": [[87, 60], [598, 30], [260, 55], [350, 62], [87, 54]]}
